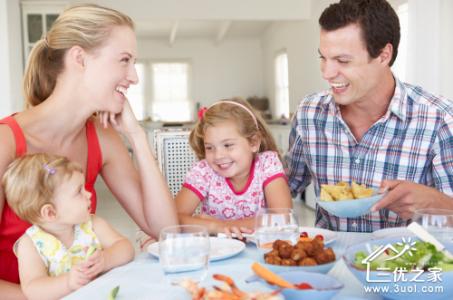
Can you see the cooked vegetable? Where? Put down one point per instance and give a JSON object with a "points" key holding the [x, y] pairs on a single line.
{"points": [[114, 293], [270, 276]]}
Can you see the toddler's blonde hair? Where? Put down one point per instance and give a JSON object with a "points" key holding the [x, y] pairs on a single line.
{"points": [[221, 112], [30, 181]]}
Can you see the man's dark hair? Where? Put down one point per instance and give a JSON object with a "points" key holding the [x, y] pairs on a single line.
{"points": [[376, 18]]}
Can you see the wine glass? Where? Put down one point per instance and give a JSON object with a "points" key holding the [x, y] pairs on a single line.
{"points": [[438, 222], [275, 224], [184, 252]]}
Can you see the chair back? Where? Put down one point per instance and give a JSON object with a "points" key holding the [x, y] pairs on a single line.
{"points": [[174, 155]]}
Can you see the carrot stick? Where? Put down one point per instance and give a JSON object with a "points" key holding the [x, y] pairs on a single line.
{"points": [[270, 276]]}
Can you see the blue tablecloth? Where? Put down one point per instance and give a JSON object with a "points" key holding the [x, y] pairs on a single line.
{"points": [[144, 279]]}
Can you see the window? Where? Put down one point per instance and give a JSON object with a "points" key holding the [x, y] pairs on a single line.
{"points": [[136, 93], [162, 92], [281, 86], [37, 18], [400, 65], [170, 92]]}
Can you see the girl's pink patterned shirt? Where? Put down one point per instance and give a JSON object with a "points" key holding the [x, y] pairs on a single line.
{"points": [[217, 194]]}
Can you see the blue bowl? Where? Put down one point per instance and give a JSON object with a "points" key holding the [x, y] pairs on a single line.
{"points": [[350, 208], [398, 289], [324, 268], [324, 286]]}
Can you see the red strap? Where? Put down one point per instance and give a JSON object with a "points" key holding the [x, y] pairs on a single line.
{"points": [[21, 144], [94, 159]]}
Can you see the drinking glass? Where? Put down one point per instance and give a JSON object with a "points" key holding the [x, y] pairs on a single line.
{"points": [[184, 253], [438, 222], [275, 224]]}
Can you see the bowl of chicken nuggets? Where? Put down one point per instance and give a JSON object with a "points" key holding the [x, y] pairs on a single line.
{"points": [[306, 255], [348, 201]]}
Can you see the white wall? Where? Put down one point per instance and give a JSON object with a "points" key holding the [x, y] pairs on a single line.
{"points": [[446, 36], [233, 68], [5, 104], [10, 57], [301, 41], [424, 53], [430, 44]]}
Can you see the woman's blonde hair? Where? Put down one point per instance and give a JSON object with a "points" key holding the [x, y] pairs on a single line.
{"points": [[30, 181], [87, 26], [250, 126]]}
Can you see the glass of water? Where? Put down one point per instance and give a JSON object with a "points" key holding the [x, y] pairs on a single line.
{"points": [[438, 222], [184, 252], [275, 224]]}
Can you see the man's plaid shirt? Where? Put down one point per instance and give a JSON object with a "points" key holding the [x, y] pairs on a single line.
{"points": [[413, 141]]}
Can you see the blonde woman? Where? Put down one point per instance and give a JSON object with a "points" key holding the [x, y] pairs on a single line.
{"points": [[67, 246], [84, 65]]}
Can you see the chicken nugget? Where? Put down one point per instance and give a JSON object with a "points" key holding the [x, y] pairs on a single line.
{"points": [[297, 254], [307, 261]]}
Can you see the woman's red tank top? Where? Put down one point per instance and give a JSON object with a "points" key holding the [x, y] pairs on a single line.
{"points": [[11, 226]]}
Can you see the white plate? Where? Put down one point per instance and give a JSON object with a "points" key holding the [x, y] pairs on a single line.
{"points": [[392, 232], [329, 236], [220, 248]]}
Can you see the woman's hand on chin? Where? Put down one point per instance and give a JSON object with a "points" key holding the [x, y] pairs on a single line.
{"points": [[124, 122]]}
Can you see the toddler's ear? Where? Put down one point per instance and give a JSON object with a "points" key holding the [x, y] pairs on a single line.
{"points": [[48, 212]]}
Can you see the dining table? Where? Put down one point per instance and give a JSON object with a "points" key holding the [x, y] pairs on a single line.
{"points": [[143, 278]]}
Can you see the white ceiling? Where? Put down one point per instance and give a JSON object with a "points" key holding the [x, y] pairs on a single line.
{"points": [[200, 29], [211, 19]]}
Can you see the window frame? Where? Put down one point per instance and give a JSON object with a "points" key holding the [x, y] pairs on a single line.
{"points": [[279, 110], [148, 92], [150, 82], [400, 69]]}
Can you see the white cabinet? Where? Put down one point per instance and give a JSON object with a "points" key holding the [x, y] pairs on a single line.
{"points": [[310, 196], [281, 136], [37, 17]]}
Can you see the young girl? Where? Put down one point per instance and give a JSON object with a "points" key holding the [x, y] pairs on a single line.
{"points": [[238, 173], [54, 253]]}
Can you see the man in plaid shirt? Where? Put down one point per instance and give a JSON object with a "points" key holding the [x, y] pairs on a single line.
{"points": [[370, 127]]}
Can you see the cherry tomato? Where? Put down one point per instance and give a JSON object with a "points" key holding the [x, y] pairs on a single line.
{"points": [[303, 286], [319, 237], [304, 234]]}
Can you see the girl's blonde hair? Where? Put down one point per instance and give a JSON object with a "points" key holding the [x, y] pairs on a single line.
{"points": [[87, 26], [221, 112], [30, 181]]}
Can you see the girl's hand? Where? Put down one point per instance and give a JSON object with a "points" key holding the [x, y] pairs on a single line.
{"points": [[226, 227], [237, 231], [94, 265], [76, 278], [124, 122], [206, 217]]}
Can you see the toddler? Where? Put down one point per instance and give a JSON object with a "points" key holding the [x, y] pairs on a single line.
{"points": [[54, 254]]}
